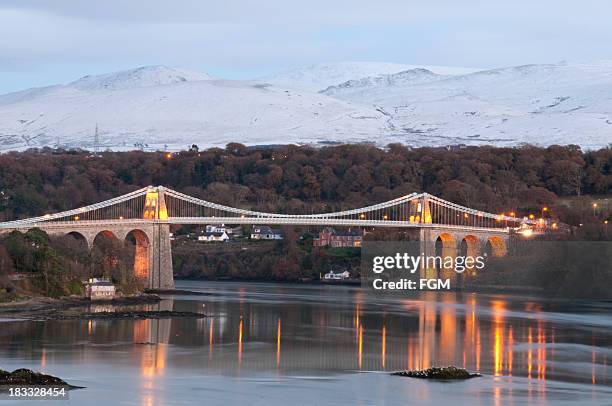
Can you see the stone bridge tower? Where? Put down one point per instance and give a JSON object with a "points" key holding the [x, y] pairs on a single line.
{"points": [[159, 253]]}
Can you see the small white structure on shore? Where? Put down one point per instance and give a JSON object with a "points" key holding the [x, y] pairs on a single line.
{"points": [[337, 276], [100, 289]]}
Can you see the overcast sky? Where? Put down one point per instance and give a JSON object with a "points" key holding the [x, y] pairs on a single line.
{"points": [[57, 41]]}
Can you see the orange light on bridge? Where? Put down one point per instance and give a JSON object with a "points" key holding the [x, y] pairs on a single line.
{"points": [[544, 208], [76, 218], [385, 217], [606, 222], [531, 217], [120, 217], [465, 215], [362, 216], [554, 226], [169, 155], [512, 214]]}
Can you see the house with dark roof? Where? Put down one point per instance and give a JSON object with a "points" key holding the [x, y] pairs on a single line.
{"points": [[265, 233], [338, 239]]}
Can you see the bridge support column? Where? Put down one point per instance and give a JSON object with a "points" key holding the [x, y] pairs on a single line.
{"points": [[428, 249], [161, 276]]}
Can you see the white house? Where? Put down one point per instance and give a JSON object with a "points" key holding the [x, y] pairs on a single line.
{"points": [[337, 276], [100, 289], [265, 233], [213, 236], [231, 231]]}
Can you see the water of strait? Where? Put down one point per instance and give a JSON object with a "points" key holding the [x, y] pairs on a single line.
{"points": [[280, 344]]}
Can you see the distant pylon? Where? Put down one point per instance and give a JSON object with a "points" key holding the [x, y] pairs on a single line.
{"points": [[96, 141]]}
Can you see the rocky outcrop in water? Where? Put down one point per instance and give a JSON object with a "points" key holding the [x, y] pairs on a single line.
{"points": [[25, 376], [445, 373]]}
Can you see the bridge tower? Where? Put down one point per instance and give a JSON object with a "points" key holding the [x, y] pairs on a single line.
{"points": [[159, 252]]}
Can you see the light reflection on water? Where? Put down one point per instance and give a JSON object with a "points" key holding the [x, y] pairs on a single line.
{"points": [[329, 330]]}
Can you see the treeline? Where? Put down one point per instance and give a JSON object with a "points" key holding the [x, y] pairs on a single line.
{"points": [[294, 179]]}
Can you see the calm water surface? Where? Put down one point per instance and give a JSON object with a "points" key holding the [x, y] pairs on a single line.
{"points": [[284, 344]]}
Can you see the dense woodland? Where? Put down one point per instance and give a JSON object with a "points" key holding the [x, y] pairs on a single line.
{"points": [[292, 179], [298, 179]]}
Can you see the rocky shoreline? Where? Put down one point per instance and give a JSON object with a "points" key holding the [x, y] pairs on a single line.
{"points": [[43, 308], [129, 315]]}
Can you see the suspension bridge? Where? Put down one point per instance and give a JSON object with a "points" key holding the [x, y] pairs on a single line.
{"points": [[146, 214]]}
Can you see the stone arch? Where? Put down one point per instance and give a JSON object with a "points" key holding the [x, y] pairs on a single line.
{"points": [[104, 242], [470, 247], [142, 253], [446, 246], [77, 235], [105, 234], [496, 247]]}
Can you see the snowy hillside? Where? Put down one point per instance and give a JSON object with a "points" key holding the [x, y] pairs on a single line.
{"points": [[159, 106], [140, 77], [318, 77], [539, 104], [351, 102]]}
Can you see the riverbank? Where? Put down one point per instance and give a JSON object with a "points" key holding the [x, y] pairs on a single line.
{"points": [[44, 308]]}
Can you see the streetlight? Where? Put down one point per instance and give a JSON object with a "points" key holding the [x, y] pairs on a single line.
{"points": [[594, 208], [544, 209]]}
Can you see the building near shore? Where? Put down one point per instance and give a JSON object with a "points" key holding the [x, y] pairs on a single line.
{"points": [[100, 289], [222, 228], [331, 275], [265, 233], [214, 236], [338, 239]]}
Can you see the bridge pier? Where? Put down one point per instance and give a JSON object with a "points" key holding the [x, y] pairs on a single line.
{"points": [[160, 270]]}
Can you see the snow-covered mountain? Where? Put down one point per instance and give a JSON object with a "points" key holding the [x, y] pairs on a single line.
{"points": [[158, 106], [351, 102], [315, 78], [538, 104], [140, 77]]}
